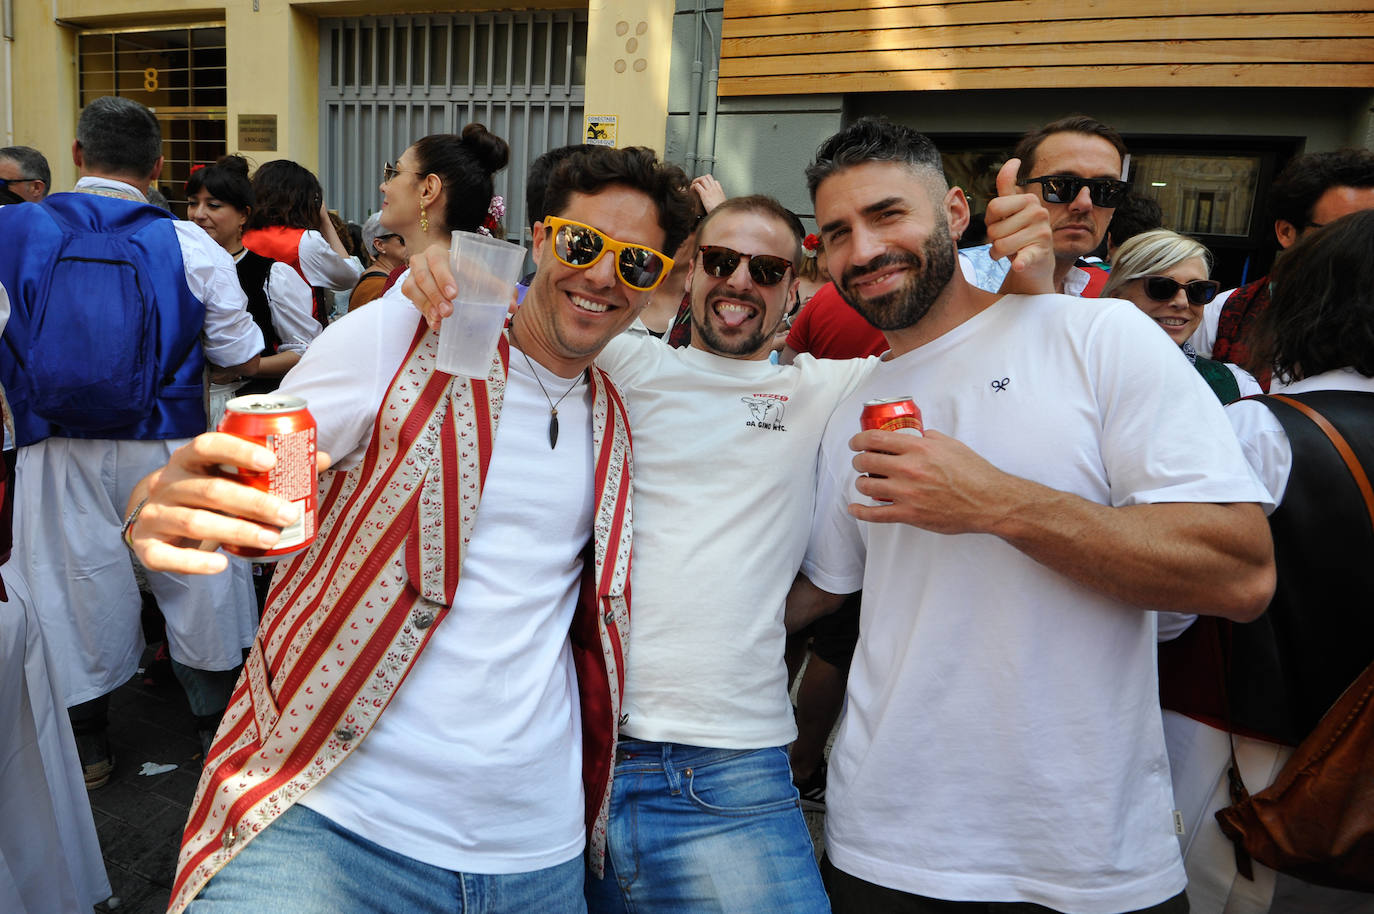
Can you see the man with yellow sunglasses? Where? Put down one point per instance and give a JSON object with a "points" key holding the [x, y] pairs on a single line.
{"points": [[487, 774]]}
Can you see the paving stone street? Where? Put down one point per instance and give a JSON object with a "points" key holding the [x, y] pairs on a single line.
{"points": [[139, 817]]}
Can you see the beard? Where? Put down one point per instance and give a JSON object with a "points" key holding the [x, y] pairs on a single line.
{"points": [[902, 308], [733, 345]]}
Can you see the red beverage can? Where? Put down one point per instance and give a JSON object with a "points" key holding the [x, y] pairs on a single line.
{"points": [[896, 414], [282, 424]]}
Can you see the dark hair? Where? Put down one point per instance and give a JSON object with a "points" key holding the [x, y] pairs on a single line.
{"points": [[1302, 182], [764, 205], [872, 139], [537, 179], [976, 233], [357, 248], [226, 181], [1321, 311], [287, 194], [637, 167], [159, 199], [465, 165], [120, 136], [1073, 123], [1134, 215], [30, 161]]}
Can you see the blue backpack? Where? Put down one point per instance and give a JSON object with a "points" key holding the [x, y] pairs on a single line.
{"points": [[93, 328]]}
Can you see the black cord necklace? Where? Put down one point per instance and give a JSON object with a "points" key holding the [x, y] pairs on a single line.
{"points": [[553, 404]]}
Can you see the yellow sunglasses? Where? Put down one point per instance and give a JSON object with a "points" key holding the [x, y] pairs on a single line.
{"points": [[581, 246]]}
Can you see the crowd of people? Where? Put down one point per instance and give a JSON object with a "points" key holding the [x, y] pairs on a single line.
{"points": [[542, 650]]}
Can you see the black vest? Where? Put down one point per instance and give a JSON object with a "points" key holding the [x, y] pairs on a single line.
{"points": [[1287, 667], [253, 272]]}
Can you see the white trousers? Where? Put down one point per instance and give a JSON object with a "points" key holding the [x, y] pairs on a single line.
{"points": [[70, 496]]}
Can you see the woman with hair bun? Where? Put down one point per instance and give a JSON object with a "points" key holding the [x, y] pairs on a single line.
{"points": [[220, 200], [291, 225], [442, 184]]}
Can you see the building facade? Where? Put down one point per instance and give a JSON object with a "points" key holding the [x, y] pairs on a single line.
{"points": [[334, 85], [1212, 95]]}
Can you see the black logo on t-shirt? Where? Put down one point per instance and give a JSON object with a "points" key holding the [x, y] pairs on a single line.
{"points": [[766, 411]]}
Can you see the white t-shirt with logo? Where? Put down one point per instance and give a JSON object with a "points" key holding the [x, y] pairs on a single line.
{"points": [[1002, 737], [725, 480]]}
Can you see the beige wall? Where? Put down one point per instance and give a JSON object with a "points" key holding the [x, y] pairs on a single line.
{"points": [[273, 64], [44, 96], [273, 68], [629, 53]]}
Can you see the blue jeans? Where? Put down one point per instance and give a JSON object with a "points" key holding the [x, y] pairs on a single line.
{"points": [[303, 863], [703, 830]]}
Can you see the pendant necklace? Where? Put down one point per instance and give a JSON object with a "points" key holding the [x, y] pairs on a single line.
{"points": [[553, 404]]}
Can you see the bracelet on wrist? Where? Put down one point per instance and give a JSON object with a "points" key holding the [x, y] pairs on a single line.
{"points": [[126, 532]]}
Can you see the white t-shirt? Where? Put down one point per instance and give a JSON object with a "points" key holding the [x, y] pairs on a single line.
{"points": [[476, 765], [325, 267], [1002, 736], [1245, 381], [725, 469]]}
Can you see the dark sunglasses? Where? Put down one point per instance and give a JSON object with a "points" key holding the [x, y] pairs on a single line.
{"points": [[764, 269], [390, 171], [1199, 291], [581, 246], [1105, 192]]}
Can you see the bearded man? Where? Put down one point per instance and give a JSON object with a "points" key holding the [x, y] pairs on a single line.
{"points": [[1002, 743]]}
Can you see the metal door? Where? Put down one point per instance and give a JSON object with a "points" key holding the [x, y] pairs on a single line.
{"points": [[386, 81]]}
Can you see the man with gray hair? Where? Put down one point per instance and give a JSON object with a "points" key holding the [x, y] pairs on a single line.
{"points": [[117, 309], [24, 171]]}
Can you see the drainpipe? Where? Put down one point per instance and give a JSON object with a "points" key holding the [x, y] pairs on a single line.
{"points": [[8, 13], [708, 161], [694, 115]]}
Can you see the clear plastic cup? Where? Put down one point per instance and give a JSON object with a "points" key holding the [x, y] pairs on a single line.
{"points": [[486, 270]]}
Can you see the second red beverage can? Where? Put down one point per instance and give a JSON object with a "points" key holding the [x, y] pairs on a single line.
{"points": [[283, 425], [895, 414]]}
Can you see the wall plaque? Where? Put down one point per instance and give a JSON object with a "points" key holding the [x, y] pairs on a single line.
{"points": [[257, 132]]}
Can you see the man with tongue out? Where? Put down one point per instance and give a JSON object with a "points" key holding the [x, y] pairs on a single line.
{"points": [[704, 815]]}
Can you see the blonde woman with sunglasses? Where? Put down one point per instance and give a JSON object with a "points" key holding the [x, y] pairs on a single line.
{"points": [[1165, 275]]}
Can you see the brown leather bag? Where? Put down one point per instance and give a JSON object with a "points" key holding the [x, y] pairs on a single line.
{"points": [[1316, 821]]}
